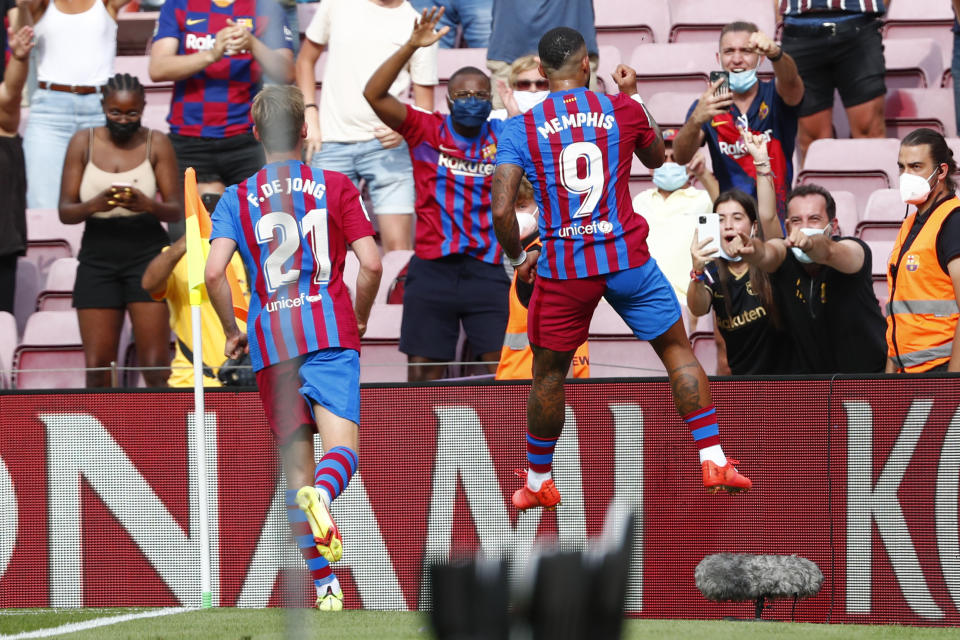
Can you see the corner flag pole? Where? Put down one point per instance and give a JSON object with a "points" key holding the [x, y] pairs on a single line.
{"points": [[196, 257]]}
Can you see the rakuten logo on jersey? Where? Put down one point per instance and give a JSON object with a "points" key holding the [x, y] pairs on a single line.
{"points": [[602, 226], [194, 42], [738, 149]]}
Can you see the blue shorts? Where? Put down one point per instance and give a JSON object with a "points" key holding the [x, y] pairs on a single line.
{"points": [[644, 299], [388, 172], [289, 389]]}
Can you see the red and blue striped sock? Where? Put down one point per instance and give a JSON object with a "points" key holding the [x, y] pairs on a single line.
{"points": [[333, 473], [706, 434], [319, 568], [539, 460]]}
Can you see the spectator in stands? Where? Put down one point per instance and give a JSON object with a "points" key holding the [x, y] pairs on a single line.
{"points": [[825, 287], [526, 88], [8, 10], [76, 46], [475, 17], [13, 182], [165, 278], [767, 107], [456, 274], [217, 54], [670, 207], [111, 177], [292, 19], [516, 356], [923, 271], [519, 24], [837, 45], [753, 338], [344, 134]]}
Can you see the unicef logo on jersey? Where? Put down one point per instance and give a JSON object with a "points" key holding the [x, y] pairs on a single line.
{"points": [[289, 303], [603, 226]]}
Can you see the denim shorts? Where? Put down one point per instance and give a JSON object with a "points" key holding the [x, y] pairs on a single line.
{"points": [[387, 172]]}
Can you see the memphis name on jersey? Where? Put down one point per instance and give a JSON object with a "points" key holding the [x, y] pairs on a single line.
{"points": [[581, 119]]}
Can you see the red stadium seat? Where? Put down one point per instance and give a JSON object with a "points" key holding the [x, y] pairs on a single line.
{"points": [[921, 19], [885, 205], [702, 20], [25, 295], [913, 63], [57, 294], [380, 358], [51, 340], [45, 225], [155, 113], [705, 349], [881, 240], [909, 109], [860, 166], [8, 343], [135, 32], [681, 67], [609, 58], [619, 24], [669, 108], [847, 215]]}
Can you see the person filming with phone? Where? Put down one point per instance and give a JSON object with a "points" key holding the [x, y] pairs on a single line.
{"points": [[825, 287], [738, 100]]}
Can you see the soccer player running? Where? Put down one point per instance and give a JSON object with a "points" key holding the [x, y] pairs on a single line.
{"points": [[292, 224], [575, 148]]}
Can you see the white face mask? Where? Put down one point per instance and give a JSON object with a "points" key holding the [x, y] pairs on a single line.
{"points": [[527, 222], [527, 100], [800, 255], [914, 189]]}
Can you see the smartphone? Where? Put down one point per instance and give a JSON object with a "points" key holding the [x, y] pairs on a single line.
{"points": [[708, 226], [724, 88]]}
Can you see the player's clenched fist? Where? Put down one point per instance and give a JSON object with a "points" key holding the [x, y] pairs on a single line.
{"points": [[626, 79]]}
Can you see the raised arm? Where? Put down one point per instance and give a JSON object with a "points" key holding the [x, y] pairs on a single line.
{"points": [[788, 82], [698, 293], [846, 256], [277, 64], [690, 136], [368, 279], [307, 82], [14, 77], [377, 92], [767, 256], [766, 192], [155, 276], [652, 155]]}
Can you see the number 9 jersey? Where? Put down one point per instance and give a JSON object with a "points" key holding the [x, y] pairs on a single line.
{"points": [[292, 225], [576, 148]]}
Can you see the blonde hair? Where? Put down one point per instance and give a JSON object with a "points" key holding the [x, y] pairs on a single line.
{"points": [[278, 115], [521, 64]]}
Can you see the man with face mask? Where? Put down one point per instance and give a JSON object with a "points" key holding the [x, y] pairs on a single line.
{"points": [[669, 208], [456, 274], [824, 287], [764, 107], [923, 271]]}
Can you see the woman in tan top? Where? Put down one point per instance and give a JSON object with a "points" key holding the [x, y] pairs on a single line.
{"points": [[111, 177]]}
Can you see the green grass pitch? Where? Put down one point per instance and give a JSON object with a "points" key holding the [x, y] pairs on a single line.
{"points": [[349, 625]]}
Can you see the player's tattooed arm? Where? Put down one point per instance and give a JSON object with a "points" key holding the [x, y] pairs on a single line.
{"points": [[652, 155], [506, 181]]}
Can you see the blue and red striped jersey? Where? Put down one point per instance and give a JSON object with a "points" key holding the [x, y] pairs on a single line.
{"points": [[453, 177], [215, 103], [292, 225], [576, 148]]}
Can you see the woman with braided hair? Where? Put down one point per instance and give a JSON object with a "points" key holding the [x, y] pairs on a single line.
{"points": [[111, 177]]}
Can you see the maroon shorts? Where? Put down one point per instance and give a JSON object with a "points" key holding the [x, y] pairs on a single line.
{"points": [[285, 408], [560, 311]]}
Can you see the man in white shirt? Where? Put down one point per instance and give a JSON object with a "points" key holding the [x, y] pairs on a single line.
{"points": [[670, 209], [343, 133]]}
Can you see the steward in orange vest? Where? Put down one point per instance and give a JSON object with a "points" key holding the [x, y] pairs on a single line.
{"points": [[516, 357], [922, 313]]}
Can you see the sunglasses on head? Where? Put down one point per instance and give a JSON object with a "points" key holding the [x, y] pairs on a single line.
{"points": [[525, 85]]}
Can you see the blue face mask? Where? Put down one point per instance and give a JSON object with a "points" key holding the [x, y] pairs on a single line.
{"points": [[470, 112], [742, 81], [670, 176]]}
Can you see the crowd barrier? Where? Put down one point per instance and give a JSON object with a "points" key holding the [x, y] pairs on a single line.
{"points": [[97, 494]]}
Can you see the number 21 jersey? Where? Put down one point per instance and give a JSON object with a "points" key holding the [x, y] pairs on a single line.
{"points": [[292, 225], [576, 148]]}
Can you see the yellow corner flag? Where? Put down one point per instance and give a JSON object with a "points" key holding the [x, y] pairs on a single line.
{"points": [[198, 247]]}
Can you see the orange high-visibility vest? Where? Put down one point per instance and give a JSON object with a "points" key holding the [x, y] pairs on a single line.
{"points": [[516, 357], [922, 313]]}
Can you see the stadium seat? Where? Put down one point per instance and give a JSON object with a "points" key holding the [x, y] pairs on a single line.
{"points": [[921, 19], [609, 58], [44, 224], [135, 31], [885, 205], [702, 20], [680, 67], [669, 108], [847, 214], [615, 352], [619, 24], [705, 349], [25, 295], [57, 294], [909, 109], [913, 63], [50, 356], [380, 358], [155, 113], [860, 166], [393, 263], [448, 61], [44, 253], [881, 241], [8, 343], [697, 324]]}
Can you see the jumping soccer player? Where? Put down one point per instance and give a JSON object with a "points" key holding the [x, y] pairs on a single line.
{"points": [[575, 148], [291, 224]]}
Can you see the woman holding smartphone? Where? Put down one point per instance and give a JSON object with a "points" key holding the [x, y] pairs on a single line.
{"points": [[751, 336], [111, 177]]}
